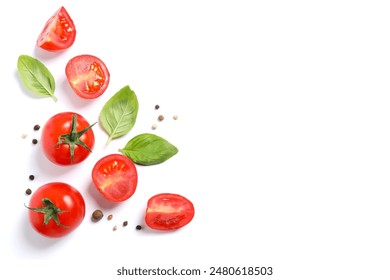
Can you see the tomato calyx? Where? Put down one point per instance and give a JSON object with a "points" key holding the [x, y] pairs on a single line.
{"points": [[73, 138], [50, 210]]}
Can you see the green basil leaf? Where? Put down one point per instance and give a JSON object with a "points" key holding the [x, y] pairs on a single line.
{"points": [[119, 114], [149, 149], [36, 77]]}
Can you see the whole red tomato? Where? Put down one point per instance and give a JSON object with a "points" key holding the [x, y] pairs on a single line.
{"points": [[67, 138], [56, 209], [59, 32]]}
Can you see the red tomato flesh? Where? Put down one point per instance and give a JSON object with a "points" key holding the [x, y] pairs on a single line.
{"points": [[87, 75], [167, 211], [115, 177], [59, 32], [70, 204]]}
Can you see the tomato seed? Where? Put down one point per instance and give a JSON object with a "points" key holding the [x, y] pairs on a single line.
{"points": [[37, 127], [125, 223], [34, 141], [161, 118], [114, 228], [157, 107], [109, 217], [97, 215], [31, 177], [24, 135], [138, 227], [28, 191], [154, 126], [175, 117]]}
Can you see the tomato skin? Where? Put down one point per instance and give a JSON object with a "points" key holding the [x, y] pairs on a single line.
{"points": [[168, 211], [65, 197], [87, 75], [61, 124], [59, 32], [115, 177]]}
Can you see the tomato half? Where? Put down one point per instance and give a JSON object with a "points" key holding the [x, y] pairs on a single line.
{"points": [[115, 177], [87, 75], [56, 209], [67, 138], [59, 32], [167, 211]]}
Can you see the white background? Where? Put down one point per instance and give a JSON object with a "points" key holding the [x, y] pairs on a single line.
{"points": [[283, 136]]}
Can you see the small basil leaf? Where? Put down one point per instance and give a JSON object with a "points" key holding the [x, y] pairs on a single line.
{"points": [[149, 149], [119, 114], [36, 77]]}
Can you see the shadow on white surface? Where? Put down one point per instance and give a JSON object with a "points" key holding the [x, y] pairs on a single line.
{"points": [[46, 55], [31, 243]]}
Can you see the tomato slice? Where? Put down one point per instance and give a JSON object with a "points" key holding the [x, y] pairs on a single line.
{"points": [[115, 177], [87, 75], [167, 211], [59, 32]]}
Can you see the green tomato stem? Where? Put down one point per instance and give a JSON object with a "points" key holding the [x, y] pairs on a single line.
{"points": [[73, 138], [50, 210]]}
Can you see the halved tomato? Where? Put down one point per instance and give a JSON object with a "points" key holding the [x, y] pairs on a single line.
{"points": [[115, 177], [168, 211], [59, 32], [87, 75]]}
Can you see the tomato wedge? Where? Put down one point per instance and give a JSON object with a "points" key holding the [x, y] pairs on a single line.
{"points": [[115, 177], [87, 75], [59, 32], [168, 211]]}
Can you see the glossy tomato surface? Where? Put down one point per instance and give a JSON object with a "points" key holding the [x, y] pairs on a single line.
{"points": [[59, 32], [64, 201], [87, 75], [168, 211], [115, 177], [66, 139]]}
